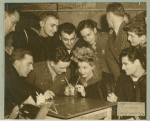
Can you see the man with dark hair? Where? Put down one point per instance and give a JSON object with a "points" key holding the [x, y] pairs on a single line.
{"points": [[118, 40], [97, 40], [131, 87], [136, 30], [11, 17], [68, 37], [51, 75], [38, 39], [69, 40], [17, 89]]}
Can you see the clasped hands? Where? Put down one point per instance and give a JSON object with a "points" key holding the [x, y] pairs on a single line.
{"points": [[70, 89]]}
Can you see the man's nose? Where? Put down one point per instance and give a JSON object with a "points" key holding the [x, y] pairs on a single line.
{"points": [[31, 67], [13, 28], [65, 70], [55, 29], [123, 67], [69, 42], [85, 38], [81, 71], [129, 38]]}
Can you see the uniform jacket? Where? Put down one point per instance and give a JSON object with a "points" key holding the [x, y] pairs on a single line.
{"points": [[100, 49], [42, 78], [80, 43]]}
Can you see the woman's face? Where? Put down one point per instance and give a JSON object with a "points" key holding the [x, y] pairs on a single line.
{"points": [[85, 69]]}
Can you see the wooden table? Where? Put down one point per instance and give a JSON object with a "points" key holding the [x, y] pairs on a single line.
{"points": [[80, 109]]}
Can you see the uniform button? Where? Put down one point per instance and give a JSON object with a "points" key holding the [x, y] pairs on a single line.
{"points": [[95, 52], [115, 48], [41, 83], [118, 56]]}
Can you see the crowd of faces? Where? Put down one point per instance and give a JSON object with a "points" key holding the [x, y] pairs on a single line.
{"points": [[50, 26]]}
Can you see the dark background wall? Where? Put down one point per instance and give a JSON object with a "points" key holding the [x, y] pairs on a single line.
{"points": [[74, 12]]}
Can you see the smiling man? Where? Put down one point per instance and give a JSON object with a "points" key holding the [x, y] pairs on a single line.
{"points": [[69, 40], [51, 75], [68, 37], [39, 38]]}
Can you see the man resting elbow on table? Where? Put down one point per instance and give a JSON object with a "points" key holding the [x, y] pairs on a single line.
{"points": [[50, 76], [17, 90], [131, 87]]}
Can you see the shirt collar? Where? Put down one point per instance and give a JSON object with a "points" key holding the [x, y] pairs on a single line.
{"points": [[53, 73]]}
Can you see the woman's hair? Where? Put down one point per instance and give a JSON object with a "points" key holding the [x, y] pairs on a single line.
{"points": [[84, 54]]}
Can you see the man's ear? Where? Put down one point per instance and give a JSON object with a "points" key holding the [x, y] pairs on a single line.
{"points": [[137, 62], [17, 63], [51, 63], [143, 37], [95, 30], [41, 24]]}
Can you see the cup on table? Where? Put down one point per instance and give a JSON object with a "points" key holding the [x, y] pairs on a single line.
{"points": [[72, 91]]}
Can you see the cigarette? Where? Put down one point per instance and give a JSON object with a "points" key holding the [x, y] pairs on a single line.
{"points": [[67, 80], [78, 80]]}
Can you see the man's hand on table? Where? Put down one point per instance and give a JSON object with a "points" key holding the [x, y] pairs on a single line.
{"points": [[112, 97], [49, 94]]}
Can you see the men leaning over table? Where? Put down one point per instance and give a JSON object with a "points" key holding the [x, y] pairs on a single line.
{"points": [[97, 40], [69, 40], [131, 85], [51, 75], [17, 89]]}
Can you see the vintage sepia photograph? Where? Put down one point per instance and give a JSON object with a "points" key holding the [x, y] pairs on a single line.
{"points": [[75, 61]]}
